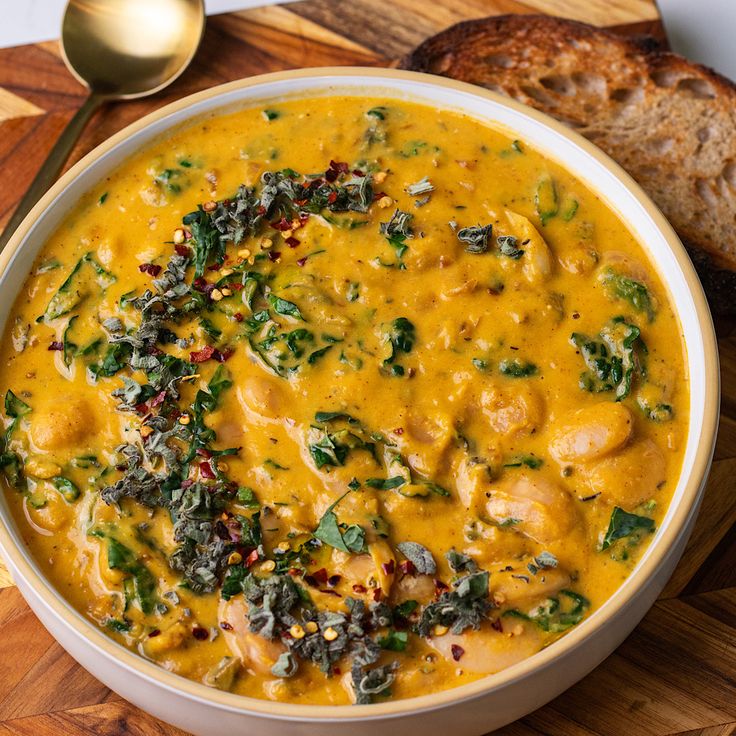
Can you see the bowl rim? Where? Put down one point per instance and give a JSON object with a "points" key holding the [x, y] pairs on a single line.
{"points": [[137, 665]]}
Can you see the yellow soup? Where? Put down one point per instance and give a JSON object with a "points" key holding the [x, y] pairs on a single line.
{"points": [[341, 400]]}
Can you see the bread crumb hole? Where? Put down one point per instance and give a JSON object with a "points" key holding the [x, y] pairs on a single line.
{"points": [[627, 95], [697, 88], [660, 146], [729, 173], [500, 60], [559, 83], [706, 193], [537, 94], [591, 83], [665, 78]]}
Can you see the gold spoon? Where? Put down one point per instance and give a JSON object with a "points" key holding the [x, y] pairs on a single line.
{"points": [[119, 49]]}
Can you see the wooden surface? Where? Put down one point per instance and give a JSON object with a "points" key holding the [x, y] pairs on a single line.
{"points": [[676, 674]]}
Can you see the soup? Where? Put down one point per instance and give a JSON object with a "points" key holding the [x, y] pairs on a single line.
{"points": [[341, 400]]}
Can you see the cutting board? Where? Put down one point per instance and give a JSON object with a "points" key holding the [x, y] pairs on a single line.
{"points": [[675, 674]]}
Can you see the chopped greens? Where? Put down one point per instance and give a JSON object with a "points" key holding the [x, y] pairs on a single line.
{"points": [[627, 289], [612, 359], [475, 238], [556, 614], [546, 200], [624, 524]]}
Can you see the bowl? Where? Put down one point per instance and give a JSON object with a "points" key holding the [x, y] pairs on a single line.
{"points": [[488, 703]]}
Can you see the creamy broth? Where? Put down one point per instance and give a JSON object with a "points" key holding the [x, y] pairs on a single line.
{"points": [[342, 400]]}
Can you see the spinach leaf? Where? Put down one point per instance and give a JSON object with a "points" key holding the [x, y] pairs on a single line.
{"points": [[612, 359], [399, 336], [284, 307], [634, 292], [386, 484], [119, 557], [209, 247], [76, 287], [546, 200], [66, 487], [328, 531], [517, 369], [624, 524], [556, 614], [15, 407], [394, 641]]}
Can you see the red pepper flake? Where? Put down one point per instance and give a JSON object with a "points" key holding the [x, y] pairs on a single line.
{"points": [[439, 586], [321, 575], [200, 356], [238, 317], [182, 250], [153, 633], [399, 430], [261, 209], [330, 175], [295, 572], [337, 671], [457, 652], [274, 255], [206, 471], [200, 634], [225, 626], [214, 267], [378, 195], [56, 345], [204, 452], [357, 588], [282, 225], [150, 268], [301, 261], [332, 197], [388, 567], [200, 283], [496, 625], [292, 242], [222, 355], [340, 166], [235, 285], [158, 399], [358, 172], [252, 558], [377, 594], [407, 567]]}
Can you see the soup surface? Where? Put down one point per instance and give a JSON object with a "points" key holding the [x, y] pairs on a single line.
{"points": [[341, 400]]}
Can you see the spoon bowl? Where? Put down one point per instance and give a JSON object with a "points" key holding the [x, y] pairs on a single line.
{"points": [[120, 50], [130, 48]]}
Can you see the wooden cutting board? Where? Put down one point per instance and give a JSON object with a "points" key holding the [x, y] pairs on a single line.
{"points": [[675, 674]]}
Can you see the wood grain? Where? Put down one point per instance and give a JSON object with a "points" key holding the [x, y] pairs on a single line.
{"points": [[675, 675]]}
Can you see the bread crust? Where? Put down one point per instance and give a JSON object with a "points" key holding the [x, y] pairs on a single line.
{"points": [[669, 122]]}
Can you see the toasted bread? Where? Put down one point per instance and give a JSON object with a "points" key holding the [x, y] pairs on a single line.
{"points": [[669, 122]]}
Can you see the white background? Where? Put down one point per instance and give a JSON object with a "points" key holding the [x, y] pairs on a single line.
{"points": [[703, 30]]}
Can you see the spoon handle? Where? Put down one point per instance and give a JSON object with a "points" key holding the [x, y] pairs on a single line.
{"points": [[52, 166]]}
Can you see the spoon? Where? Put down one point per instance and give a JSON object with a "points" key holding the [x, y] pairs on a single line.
{"points": [[121, 50]]}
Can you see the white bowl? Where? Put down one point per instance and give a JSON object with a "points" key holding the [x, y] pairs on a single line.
{"points": [[487, 703]]}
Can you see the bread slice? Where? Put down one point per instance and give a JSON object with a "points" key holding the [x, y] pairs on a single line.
{"points": [[669, 122]]}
